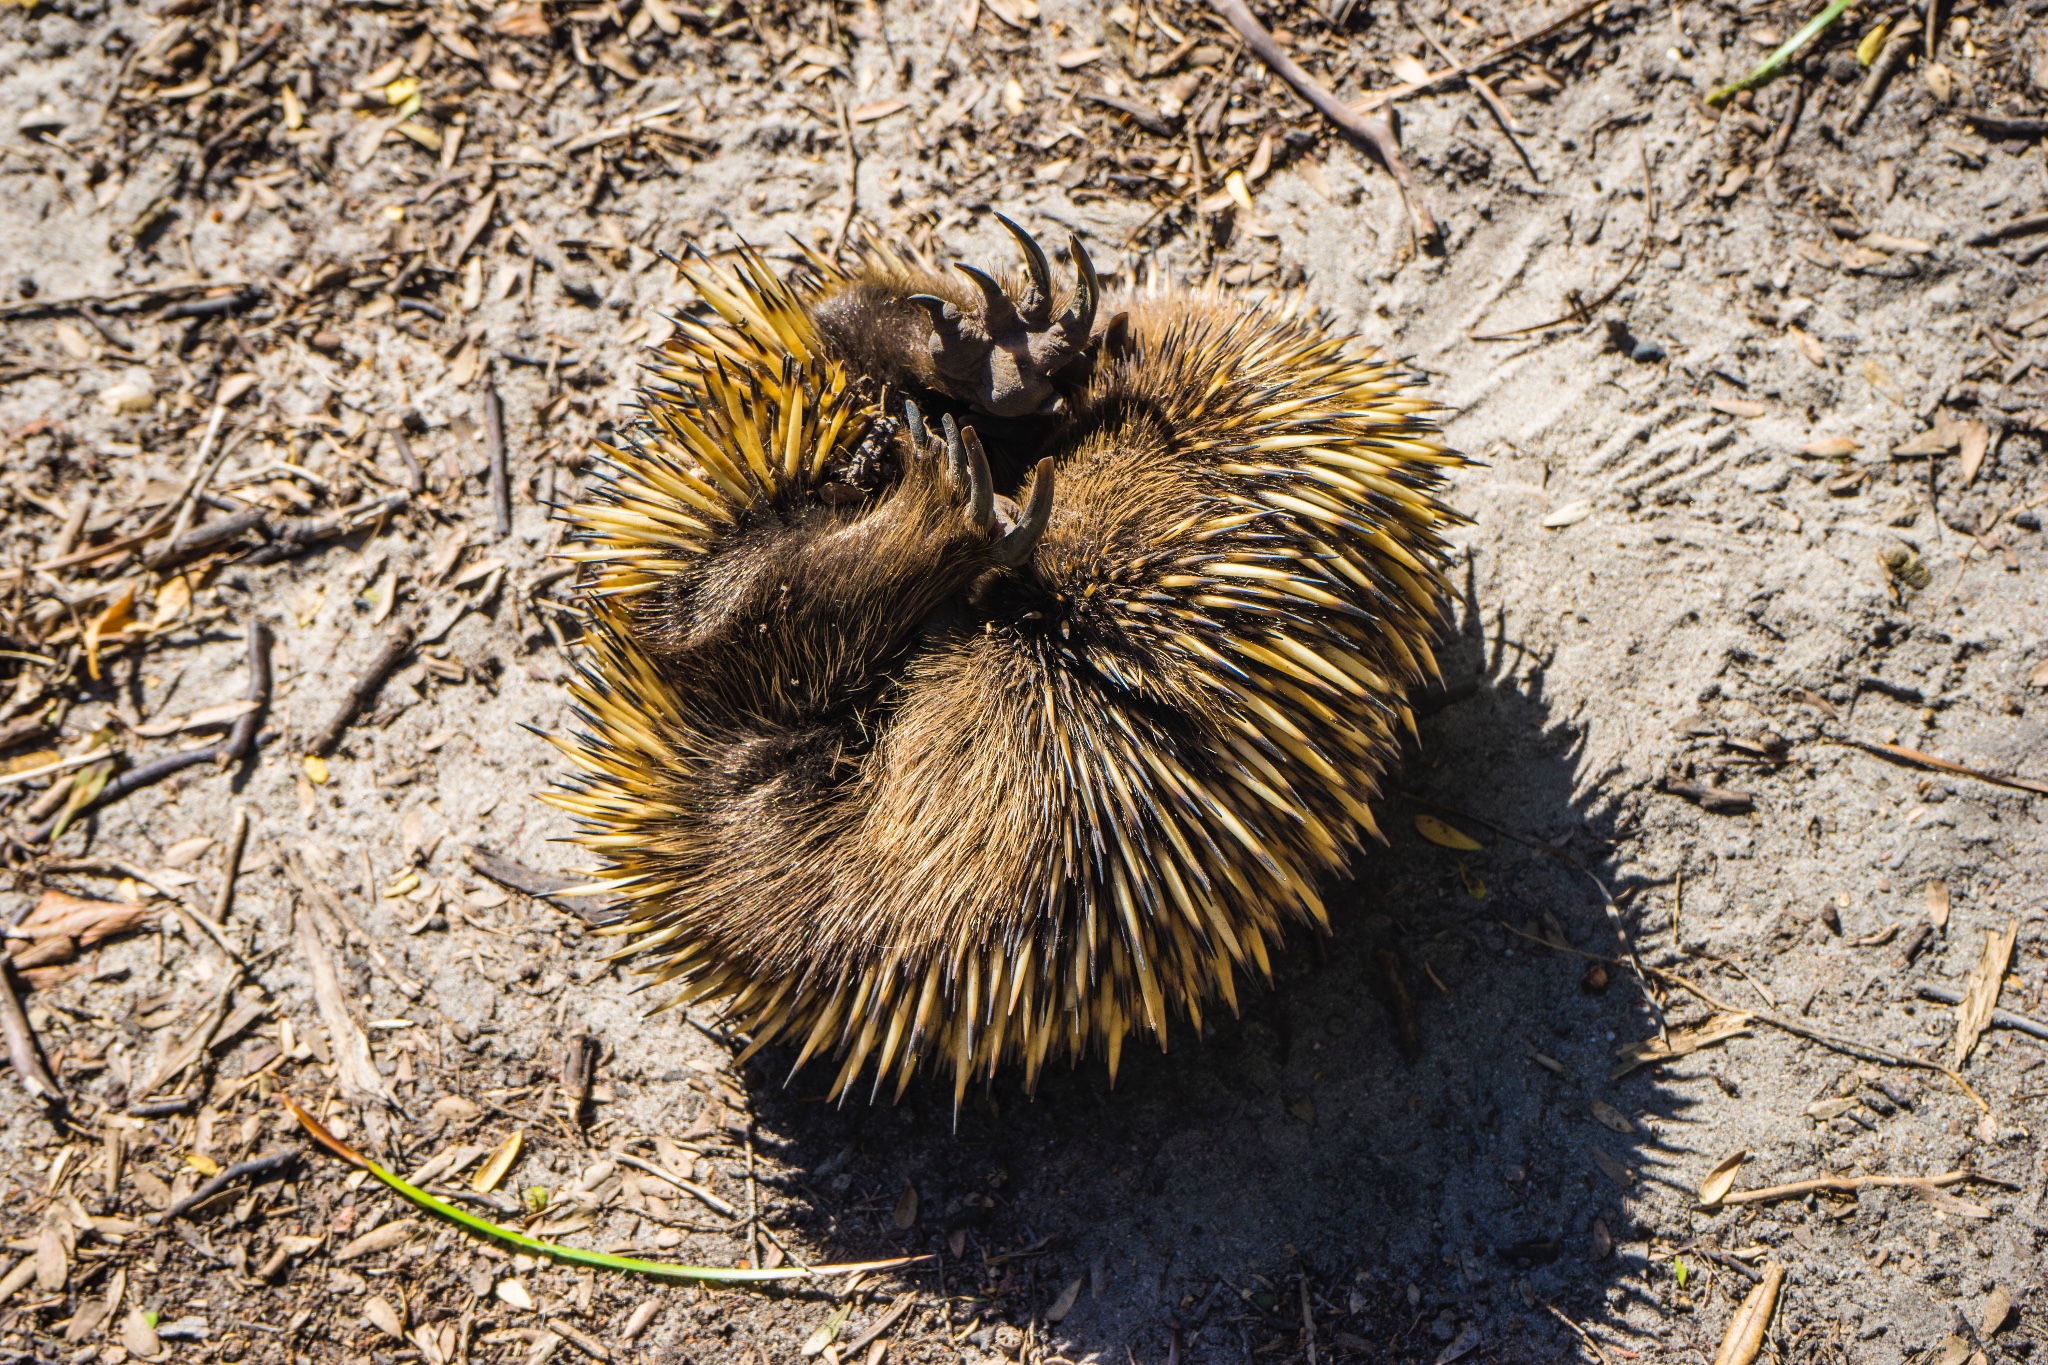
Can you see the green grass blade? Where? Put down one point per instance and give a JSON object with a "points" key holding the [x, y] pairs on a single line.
{"points": [[1769, 69], [555, 1251]]}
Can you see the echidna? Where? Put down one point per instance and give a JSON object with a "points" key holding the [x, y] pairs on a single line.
{"points": [[905, 771]]}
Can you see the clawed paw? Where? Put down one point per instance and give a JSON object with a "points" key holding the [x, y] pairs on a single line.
{"points": [[1004, 359], [958, 460]]}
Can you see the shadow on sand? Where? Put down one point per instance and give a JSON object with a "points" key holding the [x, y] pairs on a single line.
{"points": [[1294, 1160]]}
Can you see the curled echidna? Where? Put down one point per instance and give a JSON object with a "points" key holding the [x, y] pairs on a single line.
{"points": [[903, 769]]}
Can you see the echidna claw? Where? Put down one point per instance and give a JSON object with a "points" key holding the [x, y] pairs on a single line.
{"points": [[1006, 357], [981, 485], [1035, 308], [1016, 547]]}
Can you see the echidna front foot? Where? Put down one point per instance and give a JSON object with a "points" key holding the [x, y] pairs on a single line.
{"points": [[957, 455], [1003, 360]]}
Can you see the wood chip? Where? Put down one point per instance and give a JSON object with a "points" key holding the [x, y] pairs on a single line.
{"points": [[1738, 407], [1980, 995], [879, 109]]}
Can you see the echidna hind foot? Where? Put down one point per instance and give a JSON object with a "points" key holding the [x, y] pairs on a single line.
{"points": [[972, 680]]}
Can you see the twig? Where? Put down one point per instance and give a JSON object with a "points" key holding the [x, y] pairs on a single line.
{"points": [[1999, 1018], [1583, 312], [242, 1170], [128, 300], [355, 1072], [1926, 760], [295, 870], [231, 866], [2005, 232], [289, 535], [1440, 79], [1479, 87], [415, 477], [1795, 102], [1583, 1335], [21, 1043], [1897, 48], [204, 537], [134, 780], [203, 467], [1769, 68], [494, 446], [61, 765], [689, 1187], [852, 176], [241, 740], [1842, 1184], [396, 644], [1869, 1052], [1613, 907], [539, 885], [1374, 130]]}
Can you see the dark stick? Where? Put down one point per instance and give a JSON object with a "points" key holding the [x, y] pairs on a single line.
{"points": [[160, 1109], [1374, 130], [135, 779], [415, 477], [252, 1169], [1795, 102], [528, 882], [2005, 232], [396, 646], [501, 477], [1999, 1018], [1992, 125], [293, 534], [21, 1042], [202, 538], [241, 740], [1890, 59]]}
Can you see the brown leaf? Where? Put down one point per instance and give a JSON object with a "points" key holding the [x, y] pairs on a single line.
{"points": [[1830, 447], [1976, 443], [1683, 1041], [381, 1238], [1612, 1168], [906, 1206], [116, 618], [1937, 904], [1445, 835], [1737, 407], [492, 1171], [523, 21], [879, 109], [1611, 1117], [1746, 1330], [1996, 1312], [1980, 994], [1064, 1304], [379, 1313], [1721, 1179]]}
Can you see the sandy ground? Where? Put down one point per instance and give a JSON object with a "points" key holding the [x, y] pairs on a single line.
{"points": [[1769, 507]]}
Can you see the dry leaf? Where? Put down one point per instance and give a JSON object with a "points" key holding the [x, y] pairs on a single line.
{"points": [[879, 109], [116, 618], [73, 342], [1408, 69], [138, 1337], [1976, 443], [1612, 1168], [379, 1313], [1475, 886], [1445, 835], [1997, 1309], [1612, 1117], [1064, 1304], [1830, 447], [1721, 1179], [377, 1239], [1937, 904], [492, 1171], [1737, 407], [1944, 1202], [1650, 1051], [522, 21], [1745, 1335], [1809, 346], [1980, 995], [514, 1293], [53, 1260], [173, 600], [1571, 514], [906, 1206]]}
